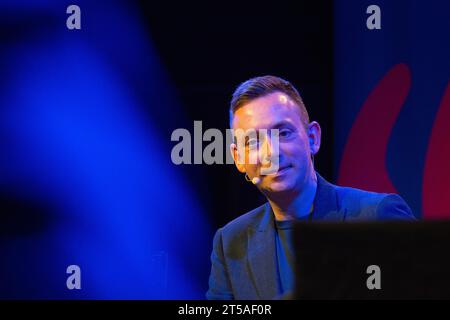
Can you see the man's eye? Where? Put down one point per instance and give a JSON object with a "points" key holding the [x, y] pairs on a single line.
{"points": [[252, 143], [285, 133]]}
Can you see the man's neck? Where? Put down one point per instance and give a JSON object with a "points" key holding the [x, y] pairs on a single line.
{"points": [[296, 206]]}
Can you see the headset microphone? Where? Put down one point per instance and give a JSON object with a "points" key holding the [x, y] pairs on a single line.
{"points": [[256, 180]]}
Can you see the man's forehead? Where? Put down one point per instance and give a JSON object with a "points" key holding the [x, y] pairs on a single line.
{"points": [[267, 112]]}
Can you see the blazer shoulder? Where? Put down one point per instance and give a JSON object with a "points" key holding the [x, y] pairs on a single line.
{"points": [[233, 236], [368, 205], [348, 195], [392, 206], [243, 222]]}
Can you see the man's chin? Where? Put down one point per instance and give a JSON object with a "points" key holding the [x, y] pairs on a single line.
{"points": [[279, 187]]}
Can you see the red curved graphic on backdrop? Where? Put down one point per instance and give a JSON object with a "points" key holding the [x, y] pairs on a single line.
{"points": [[363, 164], [436, 178]]}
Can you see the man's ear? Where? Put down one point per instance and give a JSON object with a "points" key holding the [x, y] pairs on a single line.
{"points": [[314, 136], [234, 154]]}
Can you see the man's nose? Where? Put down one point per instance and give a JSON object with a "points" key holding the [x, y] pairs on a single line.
{"points": [[270, 150]]}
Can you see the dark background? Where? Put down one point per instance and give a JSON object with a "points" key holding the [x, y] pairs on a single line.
{"points": [[209, 49], [86, 121]]}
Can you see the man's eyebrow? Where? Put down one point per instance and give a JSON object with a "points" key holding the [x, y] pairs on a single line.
{"points": [[282, 124]]}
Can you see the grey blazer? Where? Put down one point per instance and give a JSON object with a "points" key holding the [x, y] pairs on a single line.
{"points": [[243, 260]]}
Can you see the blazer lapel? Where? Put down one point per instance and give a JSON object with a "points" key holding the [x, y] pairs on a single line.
{"points": [[262, 256]]}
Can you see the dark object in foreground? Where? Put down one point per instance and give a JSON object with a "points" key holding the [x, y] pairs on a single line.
{"points": [[341, 260]]}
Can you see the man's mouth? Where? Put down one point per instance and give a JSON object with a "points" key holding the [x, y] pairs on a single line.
{"points": [[283, 169], [278, 171]]}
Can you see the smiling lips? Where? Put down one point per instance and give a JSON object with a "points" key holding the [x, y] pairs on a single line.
{"points": [[281, 170]]}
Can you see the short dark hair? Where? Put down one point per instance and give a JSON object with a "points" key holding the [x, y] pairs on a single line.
{"points": [[261, 86]]}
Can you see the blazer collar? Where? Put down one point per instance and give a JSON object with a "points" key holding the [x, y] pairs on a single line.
{"points": [[326, 206]]}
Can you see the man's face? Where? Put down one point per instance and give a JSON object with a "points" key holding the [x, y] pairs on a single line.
{"points": [[278, 111]]}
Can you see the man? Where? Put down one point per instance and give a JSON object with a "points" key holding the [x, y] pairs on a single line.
{"points": [[252, 256]]}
